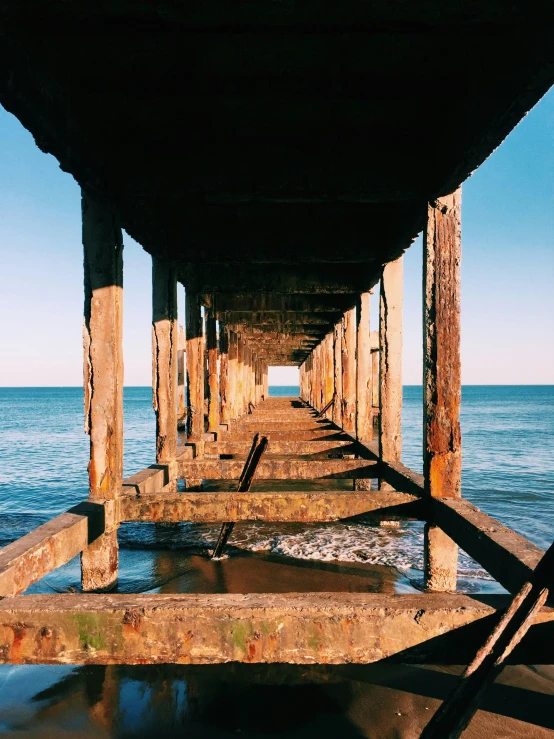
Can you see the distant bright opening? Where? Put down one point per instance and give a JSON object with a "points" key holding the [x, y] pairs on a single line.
{"points": [[284, 381]]}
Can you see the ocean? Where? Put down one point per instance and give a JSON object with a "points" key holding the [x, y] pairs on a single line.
{"points": [[508, 471]]}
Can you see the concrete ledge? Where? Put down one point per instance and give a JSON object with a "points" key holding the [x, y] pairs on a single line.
{"points": [[303, 507], [307, 628], [289, 469]]}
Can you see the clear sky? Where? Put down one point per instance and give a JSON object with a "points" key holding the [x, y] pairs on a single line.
{"points": [[507, 269]]}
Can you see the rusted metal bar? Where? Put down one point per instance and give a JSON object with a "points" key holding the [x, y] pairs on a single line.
{"points": [[323, 411], [259, 445], [455, 714], [442, 444], [103, 376], [299, 628]]}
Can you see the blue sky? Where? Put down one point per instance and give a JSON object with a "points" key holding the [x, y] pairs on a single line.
{"points": [[507, 269]]}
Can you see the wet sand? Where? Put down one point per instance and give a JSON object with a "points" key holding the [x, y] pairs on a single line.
{"points": [[378, 701]]}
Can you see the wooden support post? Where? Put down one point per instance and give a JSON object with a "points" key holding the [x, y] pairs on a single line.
{"points": [[337, 370], [164, 359], [364, 415], [349, 372], [213, 379], [225, 415], [103, 378], [442, 446], [329, 374], [195, 367], [233, 375], [181, 374], [390, 376]]}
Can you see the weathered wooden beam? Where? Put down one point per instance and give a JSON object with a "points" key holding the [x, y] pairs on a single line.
{"points": [[164, 358], [195, 366], [364, 415], [306, 628], [390, 377], [103, 376], [442, 444], [349, 372], [271, 469], [213, 378], [303, 507]]}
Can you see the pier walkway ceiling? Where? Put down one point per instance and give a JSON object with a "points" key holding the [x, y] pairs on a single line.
{"points": [[271, 134]]}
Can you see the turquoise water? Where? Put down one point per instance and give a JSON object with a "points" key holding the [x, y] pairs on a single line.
{"points": [[508, 471]]}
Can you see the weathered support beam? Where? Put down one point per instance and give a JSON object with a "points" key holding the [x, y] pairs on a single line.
{"points": [[266, 380], [213, 378], [364, 415], [272, 469], [225, 407], [390, 379], [375, 380], [284, 446], [442, 444], [241, 351], [233, 374], [279, 506], [337, 373], [349, 372], [195, 366], [181, 407], [164, 358], [329, 374], [306, 628], [282, 302], [103, 377]]}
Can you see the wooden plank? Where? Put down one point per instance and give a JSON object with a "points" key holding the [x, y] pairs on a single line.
{"points": [[304, 507], [287, 469], [307, 628], [507, 556], [442, 443]]}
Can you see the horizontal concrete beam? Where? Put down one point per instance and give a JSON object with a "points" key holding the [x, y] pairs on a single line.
{"points": [[279, 302], [307, 628], [288, 469], [239, 434], [283, 447], [301, 507]]}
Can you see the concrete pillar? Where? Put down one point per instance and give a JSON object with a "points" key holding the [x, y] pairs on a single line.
{"points": [[329, 374], [241, 405], [390, 341], [225, 409], [233, 375], [195, 367], [266, 381], [337, 371], [164, 359], [349, 372], [103, 378], [364, 416], [181, 374], [213, 379], [442, 444]]}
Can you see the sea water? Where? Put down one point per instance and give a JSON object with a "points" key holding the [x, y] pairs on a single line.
{"points": [[508, 471]]}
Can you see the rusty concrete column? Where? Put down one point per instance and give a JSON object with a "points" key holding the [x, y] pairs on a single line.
{"points": [[329, 374], [240, 378], [337, 371], [364, 416], [233, 375], [224, 411], [317, 377], [375, 382], [103, 378], [442, 443], [181, 374], [390, 376], [195, 367], [164, 358], [213, 379], [349, 372], [266, 381]]}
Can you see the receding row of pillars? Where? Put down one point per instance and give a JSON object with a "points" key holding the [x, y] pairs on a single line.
{"points": [[351, 376]]}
